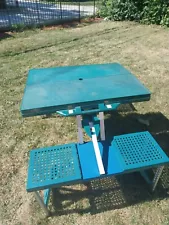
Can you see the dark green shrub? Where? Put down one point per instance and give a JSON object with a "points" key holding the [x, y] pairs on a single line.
{"points": [[147, 11], [154, 11], [121, 9], [165, 18]]}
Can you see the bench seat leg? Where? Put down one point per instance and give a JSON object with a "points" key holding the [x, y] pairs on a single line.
{"points": [[156, 178], [41, 203]]}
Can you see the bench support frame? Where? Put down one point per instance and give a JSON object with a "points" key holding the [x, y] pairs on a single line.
{"points": [[43, 202], [152, 183]]}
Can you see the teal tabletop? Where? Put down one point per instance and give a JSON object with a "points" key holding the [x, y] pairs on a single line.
{"points": [[51, 89]]}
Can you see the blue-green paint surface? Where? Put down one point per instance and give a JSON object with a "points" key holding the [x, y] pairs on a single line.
{"points": [[53, 166], [72, 163], [52, 89], [125, 154], [78, 111]]}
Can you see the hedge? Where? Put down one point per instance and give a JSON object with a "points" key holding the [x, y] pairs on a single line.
{"points": [[146, 11]]}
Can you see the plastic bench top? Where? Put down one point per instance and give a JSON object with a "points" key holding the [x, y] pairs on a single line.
{"points": [[126, 153], [71, 163], [52, 166]]}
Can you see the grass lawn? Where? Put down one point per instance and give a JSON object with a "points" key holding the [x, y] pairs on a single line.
{"points": [[144, 50]]}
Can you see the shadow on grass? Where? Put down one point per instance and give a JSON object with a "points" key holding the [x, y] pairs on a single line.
{"points": [[124, 190]]}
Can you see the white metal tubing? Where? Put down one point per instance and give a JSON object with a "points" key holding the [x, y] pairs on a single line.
{"points": [[41, 203], [109, 106], [102, 128], [70, 111], [80, 130], [96, 149], [157, 177]]}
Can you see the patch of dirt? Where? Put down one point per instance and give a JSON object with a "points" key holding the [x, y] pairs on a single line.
{"points": [[4, 35], [74, 24]]}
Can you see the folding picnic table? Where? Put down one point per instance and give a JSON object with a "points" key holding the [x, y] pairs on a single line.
{"points": [[85, 92]]}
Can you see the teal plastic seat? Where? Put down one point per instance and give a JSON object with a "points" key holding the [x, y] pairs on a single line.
{"points": [[126, 153], [53, 166], [71, 163]]}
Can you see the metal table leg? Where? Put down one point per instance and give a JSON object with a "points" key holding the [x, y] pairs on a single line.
{"points": [[41, 203], [80, 130], [102, 127], [153, 183], [157, 177]]}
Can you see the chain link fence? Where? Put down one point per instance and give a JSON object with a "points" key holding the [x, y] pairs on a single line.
{"points": [[17, 13]]}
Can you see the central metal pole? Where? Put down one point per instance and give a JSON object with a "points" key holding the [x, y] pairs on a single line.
{"points": [[80, 130], [102, 127]]}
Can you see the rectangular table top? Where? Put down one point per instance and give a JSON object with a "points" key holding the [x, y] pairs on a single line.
{"points": [[51, 89]]}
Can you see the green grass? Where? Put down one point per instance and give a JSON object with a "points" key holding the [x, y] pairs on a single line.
{"points": [[124, 200]]}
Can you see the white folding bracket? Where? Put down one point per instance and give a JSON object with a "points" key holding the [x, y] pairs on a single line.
{"points": [[70, 111], [96, 149]]}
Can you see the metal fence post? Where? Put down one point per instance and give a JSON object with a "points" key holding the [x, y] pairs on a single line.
{"points": [[37, 8], [94, 10], [79, 12], [9, 20], [61, 17]]}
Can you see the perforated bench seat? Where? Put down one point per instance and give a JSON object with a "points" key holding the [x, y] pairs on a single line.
{"points": [[125, 153], [71, 163], [52, 166]]}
